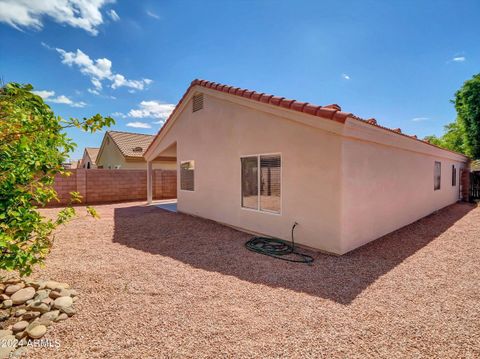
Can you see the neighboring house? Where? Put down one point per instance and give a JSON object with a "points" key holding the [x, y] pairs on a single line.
{"points": [[89, 159], [71, 165], [124, 150], [260, 163]]}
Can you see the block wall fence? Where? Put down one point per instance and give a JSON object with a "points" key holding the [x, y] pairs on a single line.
{"points": [[104, 186]]}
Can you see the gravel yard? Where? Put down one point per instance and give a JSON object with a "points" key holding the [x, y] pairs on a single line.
{"points": [[157, 284]]}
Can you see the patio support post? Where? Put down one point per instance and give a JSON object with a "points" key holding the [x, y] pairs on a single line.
{"points": [[149, 182]]}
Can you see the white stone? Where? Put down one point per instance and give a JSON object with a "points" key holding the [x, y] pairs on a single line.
{"points": [[50, 315], [7, 303], [61, 317], [23, 295], [51, 284], [63, 302], [37, 331]]}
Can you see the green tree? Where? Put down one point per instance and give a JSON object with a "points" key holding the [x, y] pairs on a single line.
{"points": [[33, 147], [453, 139], [467, 104], [434, 140]]}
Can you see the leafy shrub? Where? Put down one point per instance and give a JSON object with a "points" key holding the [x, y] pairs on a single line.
{"points": [[33, 147]]}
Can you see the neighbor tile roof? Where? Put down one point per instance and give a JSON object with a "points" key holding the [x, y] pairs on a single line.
{"points": [[92, 153], [127, 142], [333, 112]]}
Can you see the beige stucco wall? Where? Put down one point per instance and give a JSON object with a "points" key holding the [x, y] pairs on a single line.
{"points": [[345, 184], [110, 157], [388, 182], [216, 138]]}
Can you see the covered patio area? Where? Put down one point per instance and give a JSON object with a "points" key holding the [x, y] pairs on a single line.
{"points": [[167, 154]]}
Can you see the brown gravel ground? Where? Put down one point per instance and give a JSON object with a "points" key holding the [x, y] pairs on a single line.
{"points": [[156, 284]]}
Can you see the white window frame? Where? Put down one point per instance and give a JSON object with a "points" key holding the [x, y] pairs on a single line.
{"points": [[258, 210], [180, 176]]}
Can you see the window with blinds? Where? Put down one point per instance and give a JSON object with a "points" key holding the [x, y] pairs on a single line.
{"points": [[197, 102], [187, 177], [261, 182], [454, 176], [437, 175]]}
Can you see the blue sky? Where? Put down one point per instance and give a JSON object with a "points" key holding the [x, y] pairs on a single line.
{"points": [[397, 61]]}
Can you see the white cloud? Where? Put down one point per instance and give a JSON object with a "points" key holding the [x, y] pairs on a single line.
{"points": [[93, 91], [420, 119], [152, 14], [81, 14], [119, 114], [99, 70], [139, 125], [152, 109], [345, 77], [44, 93], [459, 58], [62, 99], [113, 15], [120, 80]]}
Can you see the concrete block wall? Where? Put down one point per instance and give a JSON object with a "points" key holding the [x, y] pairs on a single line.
{"points": [[106, 186], [164, 184], [64, 185]]}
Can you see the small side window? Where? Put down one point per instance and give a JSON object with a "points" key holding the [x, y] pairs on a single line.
{"points": [[437, 175], [454, 176], [187, 175]]}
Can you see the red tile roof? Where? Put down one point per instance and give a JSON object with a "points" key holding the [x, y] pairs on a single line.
{"points": [[333, 112]]}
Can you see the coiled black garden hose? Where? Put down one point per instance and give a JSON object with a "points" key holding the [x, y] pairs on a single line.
{"points": [[278, 248]]}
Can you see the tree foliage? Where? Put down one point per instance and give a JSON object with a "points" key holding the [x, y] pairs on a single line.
{"points": [[33, 147], [467, 104], [453, 139], [463, 135]]}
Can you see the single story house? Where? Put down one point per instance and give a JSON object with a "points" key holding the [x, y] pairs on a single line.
{"points": [[260, 163], [89, 159], [124, 150]]}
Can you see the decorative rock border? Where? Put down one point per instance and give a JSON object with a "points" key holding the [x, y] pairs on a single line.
{"points": [[28, 308]]}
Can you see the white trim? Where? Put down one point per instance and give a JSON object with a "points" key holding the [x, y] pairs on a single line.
{"points": [[258, 209]]}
